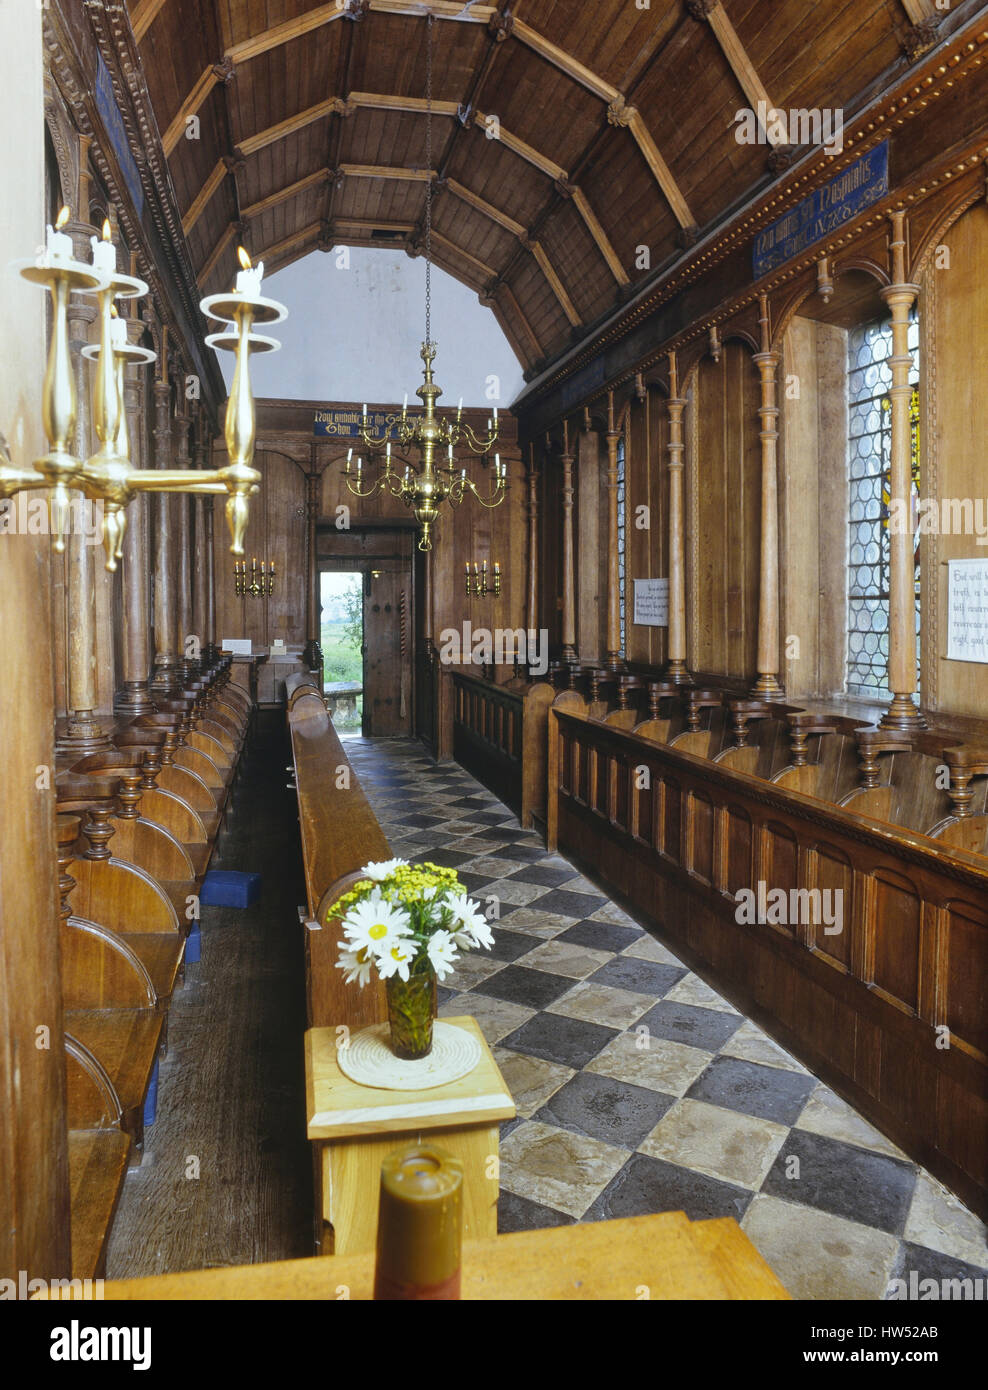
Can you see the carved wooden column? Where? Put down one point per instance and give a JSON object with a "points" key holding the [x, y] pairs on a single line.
{"points": [[902, 713], [83, 732], [675, 667], [182, 522], [203, 565], [569, 575], [767, 686], [312, 655], [133, 696], [166, 657], [532, 587], [613, 659]]}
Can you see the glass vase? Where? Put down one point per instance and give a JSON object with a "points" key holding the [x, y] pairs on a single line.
{"points": [[411, 1011]]}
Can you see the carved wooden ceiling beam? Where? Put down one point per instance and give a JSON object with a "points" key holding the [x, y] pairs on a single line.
{"points": [[386, 171], [143, 16], [283, 194], [467, 195], [521, 147]]}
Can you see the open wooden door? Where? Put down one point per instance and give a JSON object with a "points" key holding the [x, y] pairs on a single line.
{"points": [[388, 652]]}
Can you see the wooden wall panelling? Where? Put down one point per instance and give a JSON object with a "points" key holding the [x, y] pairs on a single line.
{"points": [[726, 506], [646, 551], [591, 544], [953, 373], [813, 505]]}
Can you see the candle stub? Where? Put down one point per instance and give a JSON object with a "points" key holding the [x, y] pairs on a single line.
{"points": [[420, 1224]]}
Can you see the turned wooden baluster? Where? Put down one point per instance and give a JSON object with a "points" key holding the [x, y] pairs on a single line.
{"points": [[66, 834], [98, 829]]}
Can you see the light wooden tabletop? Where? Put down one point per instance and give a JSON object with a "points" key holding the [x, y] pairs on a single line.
{"points": [[642, 1257], [338, 1108]]}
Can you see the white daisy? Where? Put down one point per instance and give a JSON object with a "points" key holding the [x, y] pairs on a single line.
{"points": [[470, 927], [380, 871], [357, 963], [375, 925], [442, 953], [397, 960]]}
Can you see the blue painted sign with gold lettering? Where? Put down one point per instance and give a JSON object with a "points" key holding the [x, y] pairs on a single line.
{"points": [[844, 196]]}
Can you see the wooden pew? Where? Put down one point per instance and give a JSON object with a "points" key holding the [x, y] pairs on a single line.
{"points": [[339, 834], [500, 734], [908, 959], [113, 1025]]}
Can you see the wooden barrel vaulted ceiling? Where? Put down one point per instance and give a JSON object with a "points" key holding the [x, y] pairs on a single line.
{"points": [[616, 130]]}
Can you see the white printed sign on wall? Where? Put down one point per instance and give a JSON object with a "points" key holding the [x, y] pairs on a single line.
{"points": [[652, 602], [967, 610]]}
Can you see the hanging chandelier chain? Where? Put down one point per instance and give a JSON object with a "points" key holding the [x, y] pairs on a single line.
{"points": [[428, 186]]}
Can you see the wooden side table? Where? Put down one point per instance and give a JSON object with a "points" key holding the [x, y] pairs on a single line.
{"points": [[354, 1127]]}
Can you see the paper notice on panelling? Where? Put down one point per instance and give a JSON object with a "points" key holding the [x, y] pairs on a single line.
{"points": [[967, 610]]}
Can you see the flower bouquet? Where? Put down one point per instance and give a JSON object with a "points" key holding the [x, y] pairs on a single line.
{"points": [[408, 922]]}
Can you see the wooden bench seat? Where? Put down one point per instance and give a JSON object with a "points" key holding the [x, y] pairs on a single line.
{"points": [[97, 1168], [125, 1044]]}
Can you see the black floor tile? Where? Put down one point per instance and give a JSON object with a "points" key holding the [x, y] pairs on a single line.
{"points": [[480, 803], [770, 1093], [494, 818], [840, 1178], [450, 858], [601, 936], [642, 976], [509, 945], [523, 854], [519, 1214], [606, 1109], [645, 1185], [916, 1263], [569, 1041], [684, 1023], [504, 833], [571, 904], [547, 878], [518, 985], [473, 883]]}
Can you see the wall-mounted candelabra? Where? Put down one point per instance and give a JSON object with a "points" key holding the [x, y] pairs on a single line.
{"points": [[107, 475], [261, 579], [476, 584]]}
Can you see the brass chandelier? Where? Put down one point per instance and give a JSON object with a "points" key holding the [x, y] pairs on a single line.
{"points": [[425, 485]]}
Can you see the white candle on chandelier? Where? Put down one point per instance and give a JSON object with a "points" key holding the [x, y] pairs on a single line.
{"points": [[360, 464], [497, 466], [404, 408], [365, 412], [249, 277], [349, 456], [463, 475], [118, 329], [104, 252], [59, 246], [495, 415], [459, 410]]}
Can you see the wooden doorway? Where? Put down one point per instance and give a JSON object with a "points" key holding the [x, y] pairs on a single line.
{"points": [[384, 559]]}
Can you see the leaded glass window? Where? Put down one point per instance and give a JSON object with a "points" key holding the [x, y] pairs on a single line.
{"points": [[620, 512], [869, 379]]}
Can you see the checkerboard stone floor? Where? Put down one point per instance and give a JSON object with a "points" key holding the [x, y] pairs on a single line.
{"points": [[638, 1088]]}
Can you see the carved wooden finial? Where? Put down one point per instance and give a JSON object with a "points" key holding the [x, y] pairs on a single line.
{"points": [[701, 9], [824, 283], [714, 343], [687, 237], [225, 70], [499, 26], [356, 9], [619, 113], [917, 39]]}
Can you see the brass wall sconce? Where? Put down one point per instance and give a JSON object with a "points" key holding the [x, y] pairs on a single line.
{"points": [[476, 585], [261, 579]]}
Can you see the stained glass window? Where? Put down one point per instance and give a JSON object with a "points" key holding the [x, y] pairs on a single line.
{"points": [[869, 379], [620, 512]]}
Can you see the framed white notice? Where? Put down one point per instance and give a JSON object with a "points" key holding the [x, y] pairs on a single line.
{"points": [[651, 602], [967, 610], [239, 646]]}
